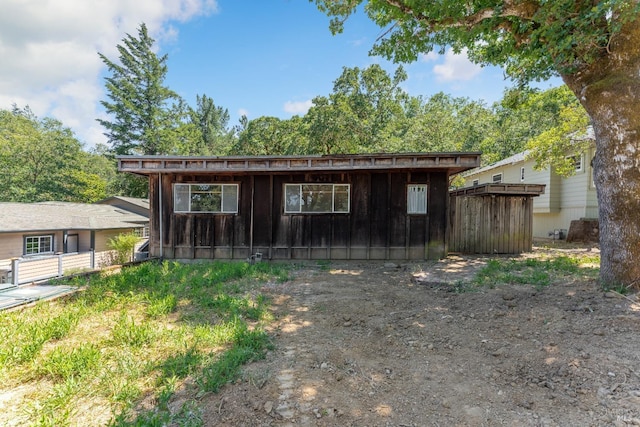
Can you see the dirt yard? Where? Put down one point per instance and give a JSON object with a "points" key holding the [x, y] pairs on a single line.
{"points": [[379, 344]]}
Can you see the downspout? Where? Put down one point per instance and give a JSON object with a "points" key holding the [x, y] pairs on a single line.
{"points": [[160, 212], [253, 186]]}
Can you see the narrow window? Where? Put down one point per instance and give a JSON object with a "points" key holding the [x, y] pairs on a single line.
{"points": [[205, 198], [417, 199], [475, 182], [522, 174], [577, 162], [316, 198], [497, 178], [34, 245]]}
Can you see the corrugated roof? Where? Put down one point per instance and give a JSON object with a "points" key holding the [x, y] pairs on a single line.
{"points": [[18, 217]]}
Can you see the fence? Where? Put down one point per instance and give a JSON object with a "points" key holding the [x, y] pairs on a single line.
{"points": [[25, 270]]}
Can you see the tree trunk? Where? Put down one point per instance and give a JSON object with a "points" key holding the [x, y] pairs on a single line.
{"points": [[610, 92]]}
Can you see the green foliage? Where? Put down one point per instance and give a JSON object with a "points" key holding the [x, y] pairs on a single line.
{"points": [[127, 333], [123, 246], [144, 118], [64, 363], [553, 147], [41, 160], [535, 272], [139, 334], [531, 40]]}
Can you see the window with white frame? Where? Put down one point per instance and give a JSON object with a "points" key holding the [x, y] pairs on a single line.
{"points": [[417, 198], [34, 245], [205, 198], [577, 162], [475, 182], [497, 178], [142, 232], [522, 174], [316, 198]]}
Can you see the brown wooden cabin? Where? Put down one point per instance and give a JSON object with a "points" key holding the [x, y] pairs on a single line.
{"points": [[366, 206]]}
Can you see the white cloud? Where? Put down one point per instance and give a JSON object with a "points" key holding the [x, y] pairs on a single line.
{"points": [[49, 51], [297, 107], [456, 67], [243, 112]]}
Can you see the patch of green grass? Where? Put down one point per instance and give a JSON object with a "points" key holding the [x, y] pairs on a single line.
{"points": [[64, 363], [324, 265], [536, 272], [138, 335]]}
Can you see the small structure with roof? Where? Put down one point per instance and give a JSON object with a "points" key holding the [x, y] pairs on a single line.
{"points": [[365, 206]]}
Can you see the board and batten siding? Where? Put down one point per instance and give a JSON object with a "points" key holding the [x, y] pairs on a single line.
{"points": [[377, 226], [493, 219]]}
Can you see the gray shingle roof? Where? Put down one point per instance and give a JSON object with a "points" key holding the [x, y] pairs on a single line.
{"points": [[16, 217]]}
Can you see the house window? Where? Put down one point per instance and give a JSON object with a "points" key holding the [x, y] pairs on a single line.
{"points": [[316, 198], [142, 232], [577, 162], [417, 199], [206, 198], [497, 178], [522, 174], [34, 245], [475, 182]]}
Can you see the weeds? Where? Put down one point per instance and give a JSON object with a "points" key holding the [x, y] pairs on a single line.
{"points": [[136, 335], [536, 272]]}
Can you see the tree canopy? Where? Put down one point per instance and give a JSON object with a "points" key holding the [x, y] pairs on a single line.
{"points": [[41, 160], [593, 45]]}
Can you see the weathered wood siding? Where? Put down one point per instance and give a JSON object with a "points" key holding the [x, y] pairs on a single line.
{"points": [[491, 224], [377, 226]]}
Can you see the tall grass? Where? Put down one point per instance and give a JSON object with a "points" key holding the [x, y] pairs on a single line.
{"points": [[537, 272], [133, 336]]}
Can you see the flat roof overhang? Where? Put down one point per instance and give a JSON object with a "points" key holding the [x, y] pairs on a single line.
{"points": [[238, 165]]}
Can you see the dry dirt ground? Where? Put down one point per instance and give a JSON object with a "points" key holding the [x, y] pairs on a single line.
{"points": [[377, 344]]}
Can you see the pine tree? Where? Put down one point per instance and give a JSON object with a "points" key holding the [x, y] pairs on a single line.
{"points": [[140, 103]]}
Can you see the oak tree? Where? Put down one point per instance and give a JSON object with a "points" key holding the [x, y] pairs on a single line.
{"points": [[593, 45]]}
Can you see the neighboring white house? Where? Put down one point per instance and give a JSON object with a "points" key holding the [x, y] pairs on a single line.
{"points": [[564, 199]]}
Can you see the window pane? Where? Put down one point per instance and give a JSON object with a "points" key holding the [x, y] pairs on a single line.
{"points": [[46, 244], [317, 197], [417, 199], [181, 198], [31, 245], [206, 198], [229, 198], [292, 198], [341, 198]]}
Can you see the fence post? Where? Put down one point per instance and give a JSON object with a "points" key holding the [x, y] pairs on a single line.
{"points": [[15, 263], [60, 265], [93, 259]]}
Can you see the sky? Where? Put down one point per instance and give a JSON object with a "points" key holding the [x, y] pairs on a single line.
{"points": [[253, 57]]}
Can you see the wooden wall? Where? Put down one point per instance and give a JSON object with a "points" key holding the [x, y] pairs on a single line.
{"points": [[491, 224], [377, 226]]}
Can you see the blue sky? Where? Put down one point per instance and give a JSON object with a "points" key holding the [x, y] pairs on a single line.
{"points": [[253, 57]]}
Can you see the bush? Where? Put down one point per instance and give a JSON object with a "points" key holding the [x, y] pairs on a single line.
{"points": [[123, 246]]}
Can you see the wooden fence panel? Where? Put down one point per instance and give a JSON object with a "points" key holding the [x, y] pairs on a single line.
{"points": [[491, 224]]}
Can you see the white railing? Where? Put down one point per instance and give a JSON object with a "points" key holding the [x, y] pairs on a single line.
{"points": [[25, 270]]}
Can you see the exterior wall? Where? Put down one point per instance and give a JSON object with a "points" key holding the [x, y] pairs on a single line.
{"points": [[377, 226], [564, 200], [491, 224]]}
